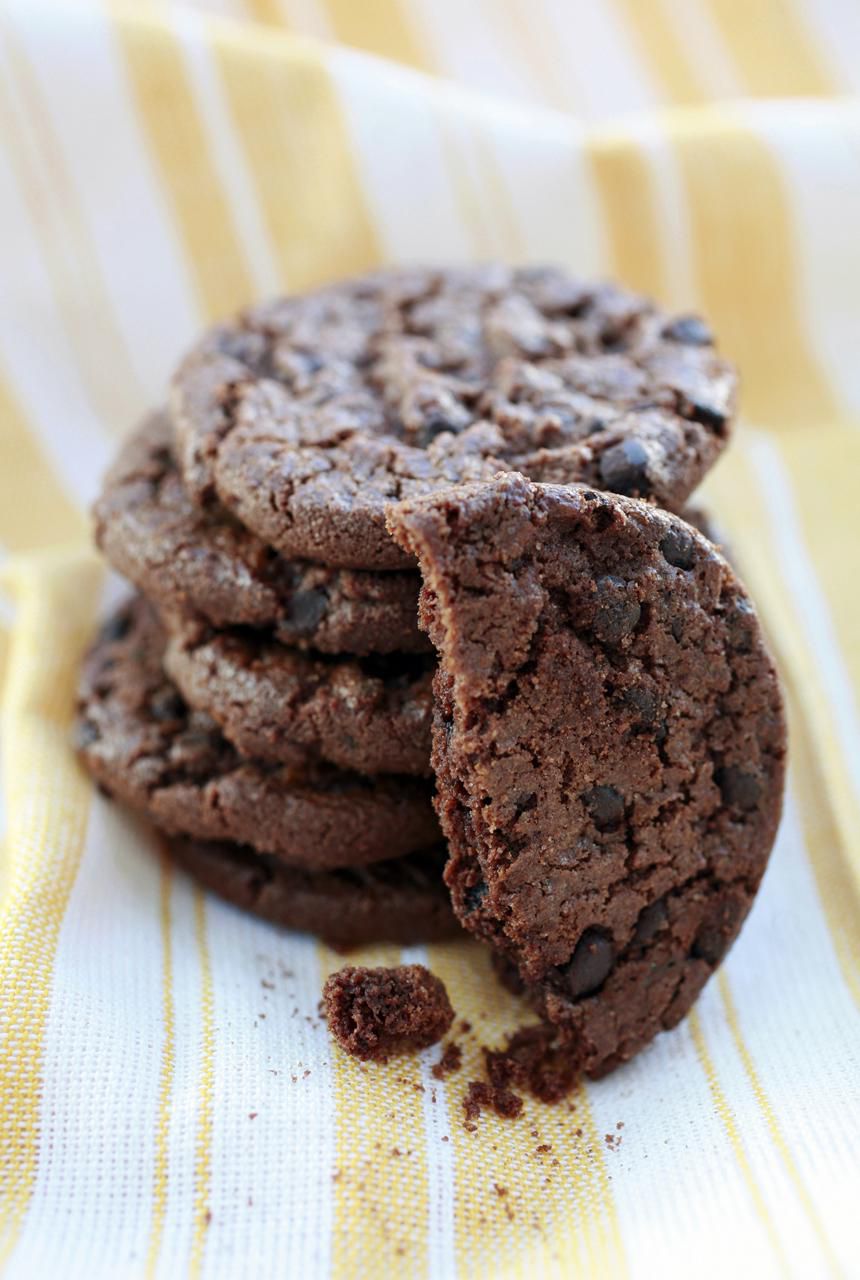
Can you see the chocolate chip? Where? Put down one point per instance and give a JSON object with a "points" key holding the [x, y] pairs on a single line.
{"points": [[740, 623], [589, 967], [606, 806], [651, 920], [740, 790], [116, 628], [644, 702], [307, 610], [624, 468], [710, 945], [432, 428], [678, 548], [691, 330], [86, 733], [617, 614], [166, 704], [474, 896], [717, 930]]}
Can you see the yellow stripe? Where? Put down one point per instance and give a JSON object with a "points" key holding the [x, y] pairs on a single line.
{"points": [[378, 1107], [773, 1125], [825, 498], [47, 800], [4, 659], [306, 179], [168, 1069], [662, 50], [203, 1153], [178, 142], [775, 55], [829, 817], [378, 26], [625, 188], [267, 11], [729, 1123], [570, 1222], [35, 509], [743, 244], [59, 224]]}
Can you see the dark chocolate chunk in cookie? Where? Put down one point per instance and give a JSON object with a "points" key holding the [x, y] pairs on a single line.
{"points": [[403, 900], [308, 417], [652, 755], [374, 1013], [272, 703], [141, 742], [205, 562]]}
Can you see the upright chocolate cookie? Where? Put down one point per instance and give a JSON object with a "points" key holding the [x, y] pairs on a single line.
{"points": [[141, 742], [310, 416], [401, 901], [371, 715], [608, 742], [183, 558]]}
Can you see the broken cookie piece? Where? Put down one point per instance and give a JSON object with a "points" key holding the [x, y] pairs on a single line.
{"points": [[608, 744], [373, 1013]]}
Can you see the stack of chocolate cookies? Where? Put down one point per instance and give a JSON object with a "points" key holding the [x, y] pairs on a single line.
{"points": [[268, 697], [271, 716]]}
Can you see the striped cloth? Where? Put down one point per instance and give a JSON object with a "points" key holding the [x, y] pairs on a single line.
{"points": [[170, 1104]]}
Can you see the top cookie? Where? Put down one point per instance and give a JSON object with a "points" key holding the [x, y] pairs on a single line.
{"points": [[608, 743], [310, 416]]}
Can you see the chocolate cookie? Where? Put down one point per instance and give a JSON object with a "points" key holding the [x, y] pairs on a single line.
{"points": [[309, 416], [183, 558], [373, 1013], [141, 742], [401, 901], [371, 715], [608, 742]]}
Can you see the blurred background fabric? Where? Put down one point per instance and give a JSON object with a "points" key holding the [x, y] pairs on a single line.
{"points": [[170, 1104]]}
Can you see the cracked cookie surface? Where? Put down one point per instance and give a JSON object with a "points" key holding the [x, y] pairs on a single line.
{"points": [[308, 417], [608, 743]]}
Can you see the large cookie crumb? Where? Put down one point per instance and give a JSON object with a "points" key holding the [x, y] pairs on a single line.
{"points": [[373, 1013]]}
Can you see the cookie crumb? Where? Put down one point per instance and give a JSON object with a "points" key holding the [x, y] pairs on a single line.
{"points": [[481, 1096], [451, 1061], [534, 1060], [376, 1012]]}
